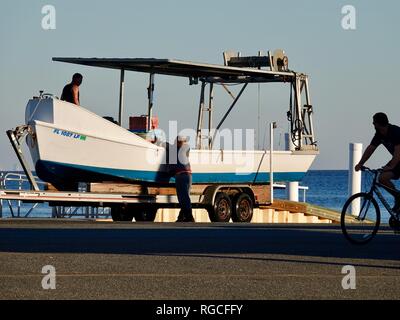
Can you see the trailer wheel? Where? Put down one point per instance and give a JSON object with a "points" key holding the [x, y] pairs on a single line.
{"points": [[242, 208], [221, 209], [121, 213], [146, 214]]}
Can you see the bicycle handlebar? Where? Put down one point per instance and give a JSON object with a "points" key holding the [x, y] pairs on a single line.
{"points": [[363, 168]]}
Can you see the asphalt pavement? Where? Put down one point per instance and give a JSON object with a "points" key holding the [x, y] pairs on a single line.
{"points": [[213, 261]]}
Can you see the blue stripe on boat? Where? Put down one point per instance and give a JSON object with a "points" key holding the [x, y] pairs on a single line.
{"points": [[76, 172]]}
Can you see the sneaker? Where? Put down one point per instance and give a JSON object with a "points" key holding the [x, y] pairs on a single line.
{"points": [[180, 218], [185, 220], [188, 219]]}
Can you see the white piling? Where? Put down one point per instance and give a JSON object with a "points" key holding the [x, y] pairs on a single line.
{"points": [[292, 191], [355, 153], [292, 188], [272, 126]]}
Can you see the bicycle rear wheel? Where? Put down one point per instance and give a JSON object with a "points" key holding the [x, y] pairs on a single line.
{"points": [[360, 218]]}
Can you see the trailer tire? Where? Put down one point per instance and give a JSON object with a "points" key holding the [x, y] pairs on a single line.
{"points": [[242, 208], [221, 210], [121, 213], [146, 214]]}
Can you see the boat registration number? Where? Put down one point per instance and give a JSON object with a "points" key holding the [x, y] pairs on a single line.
{"points": [[69, 134]]}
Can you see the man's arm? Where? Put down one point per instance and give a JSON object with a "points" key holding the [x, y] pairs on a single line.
{"points": [[367, 154], [75, 91], [395, 160]]}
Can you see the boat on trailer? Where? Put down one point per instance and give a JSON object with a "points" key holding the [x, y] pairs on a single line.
{"points": [[70, 144]]}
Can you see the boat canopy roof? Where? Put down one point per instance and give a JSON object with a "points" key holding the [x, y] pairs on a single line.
{"points": [[203, 71]]}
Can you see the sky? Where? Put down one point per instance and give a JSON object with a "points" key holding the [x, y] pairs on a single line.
{"points": [[353, 73]]}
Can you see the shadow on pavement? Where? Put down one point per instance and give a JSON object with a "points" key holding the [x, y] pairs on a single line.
{"points": [[304, 241]]}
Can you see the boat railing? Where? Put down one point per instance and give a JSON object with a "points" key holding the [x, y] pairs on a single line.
{"points": [[20, 178], [17, 209]]}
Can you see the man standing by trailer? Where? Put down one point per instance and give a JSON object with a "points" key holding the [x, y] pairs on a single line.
{"points": [[183, 180], [388, 135], [70, 92]]}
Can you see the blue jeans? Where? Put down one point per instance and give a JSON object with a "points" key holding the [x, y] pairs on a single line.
{"points": [[183, 182]]}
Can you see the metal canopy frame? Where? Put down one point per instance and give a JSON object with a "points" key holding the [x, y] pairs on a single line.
{"points": [[179, 68], [121, 96], [299, 116]]}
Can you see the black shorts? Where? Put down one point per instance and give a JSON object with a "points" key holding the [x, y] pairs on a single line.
{"points": [[396, 171]]}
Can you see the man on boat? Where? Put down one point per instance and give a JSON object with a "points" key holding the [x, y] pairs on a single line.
{"points": [[388, 135], [70, 92], [183, 180]]}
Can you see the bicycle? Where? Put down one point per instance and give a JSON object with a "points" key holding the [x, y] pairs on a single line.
{"points": [[360, 217]]}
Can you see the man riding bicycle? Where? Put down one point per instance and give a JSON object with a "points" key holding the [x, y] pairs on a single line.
{"points": [[388, 135]]}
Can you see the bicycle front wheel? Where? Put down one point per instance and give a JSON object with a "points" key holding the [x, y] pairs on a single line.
{"points": [[360, 218]]}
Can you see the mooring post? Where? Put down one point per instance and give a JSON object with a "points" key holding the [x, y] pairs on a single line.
{"points": [[355, 153], [292, 187], [292, 191], [272, 126]]}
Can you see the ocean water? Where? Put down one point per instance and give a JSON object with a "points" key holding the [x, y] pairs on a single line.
{"points": [[329, 189], [326, 188]]}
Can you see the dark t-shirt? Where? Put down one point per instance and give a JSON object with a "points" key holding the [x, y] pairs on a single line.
{"points": [[390, 140]]}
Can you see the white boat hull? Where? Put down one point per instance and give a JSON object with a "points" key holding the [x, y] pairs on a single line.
{"points": [[71, 144]]}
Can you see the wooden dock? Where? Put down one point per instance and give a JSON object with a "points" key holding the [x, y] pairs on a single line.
{"points": [[305, 208], [281, 211]]}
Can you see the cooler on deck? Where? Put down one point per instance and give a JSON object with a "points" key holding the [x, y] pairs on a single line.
{"points": [[138, 124]]}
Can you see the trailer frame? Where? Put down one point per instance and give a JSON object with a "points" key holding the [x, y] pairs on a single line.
{"points": [[220, 201]]}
